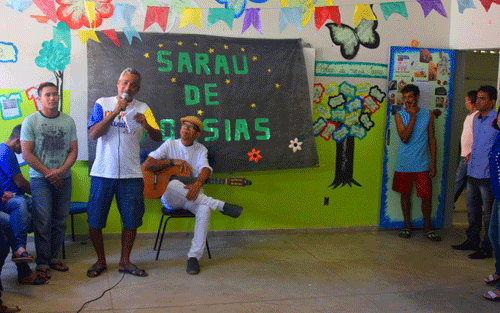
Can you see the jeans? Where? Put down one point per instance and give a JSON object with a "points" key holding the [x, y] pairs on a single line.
{"points": [[175, 198], [4, 251], [50, 212], [494, 235], [461, 178], [19, 208], [479, 196], [23, 269]]}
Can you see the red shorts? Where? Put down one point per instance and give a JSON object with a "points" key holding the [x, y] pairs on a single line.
{"points": [[403, 183]]}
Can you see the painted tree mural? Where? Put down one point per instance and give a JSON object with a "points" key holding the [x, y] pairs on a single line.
{"points": [[345, 114], [55, 56]]}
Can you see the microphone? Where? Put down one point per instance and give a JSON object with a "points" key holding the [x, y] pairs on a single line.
{"points": [[125, 96]]}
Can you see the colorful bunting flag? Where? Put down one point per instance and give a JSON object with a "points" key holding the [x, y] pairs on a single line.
{"points": [[221, 14], [130, 33], [156, 15], [90, 10], [61, 32], [48, 8], [42, 19], [191, 15], [363, 11], [290, 15], [111, 33], [429, 5], [321, 14], [487, 3], [252, 17], [394, 7], [19, 5], [465, 4], [85, 35], [125, 11]]}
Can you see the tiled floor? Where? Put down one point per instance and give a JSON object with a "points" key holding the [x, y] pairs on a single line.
{"points": [[295, 271]]}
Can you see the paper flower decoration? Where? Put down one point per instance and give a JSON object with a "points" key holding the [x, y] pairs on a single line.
{"points": [[295, 145], [74, 13], [254, 156], [414, 43]]}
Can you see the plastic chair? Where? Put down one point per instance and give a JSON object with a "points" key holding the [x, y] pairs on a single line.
{"points": [[75, 207], [173, 213]]}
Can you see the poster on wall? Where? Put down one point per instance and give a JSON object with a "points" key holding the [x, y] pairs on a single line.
{"points": [[251, 94], [432, 71]]}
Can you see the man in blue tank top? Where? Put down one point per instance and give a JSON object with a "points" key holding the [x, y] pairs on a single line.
{"points": [[416, 130]]}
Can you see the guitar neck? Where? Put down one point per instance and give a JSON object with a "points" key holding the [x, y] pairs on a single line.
{"points": [[192, 180]]}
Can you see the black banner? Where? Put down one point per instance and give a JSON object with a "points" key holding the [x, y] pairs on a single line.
{"points": [[251, 94]]}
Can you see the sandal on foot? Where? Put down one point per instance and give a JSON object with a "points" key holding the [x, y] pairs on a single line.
{"points": [[59, 266], [433, 236], [405, 233], [96, 270], [7, 309], [23, 257], [133, 270], [491, 280], [44, 273], [33, 279], [492, 296]]}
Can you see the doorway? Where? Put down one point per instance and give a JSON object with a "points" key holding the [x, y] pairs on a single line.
{"points": [[481, 68]]}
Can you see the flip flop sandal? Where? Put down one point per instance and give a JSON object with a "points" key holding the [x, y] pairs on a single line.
{"points": [[44, 273], [133, 270], [492, 296], [7, 309], [433, 236], [59, 266], [491, 280], [404, 233], [23, 258], [96, 270], [39, 280]]}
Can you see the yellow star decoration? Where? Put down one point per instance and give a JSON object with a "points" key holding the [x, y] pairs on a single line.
{"points": [[243, 49], [253, 105], [269, 70], [195, 43], [180, 43], [173, 80], [277, 85], [210, 50], [226, 47], [146, 55], [254, 58], [227, 81], [200, 112], [160, 45]]}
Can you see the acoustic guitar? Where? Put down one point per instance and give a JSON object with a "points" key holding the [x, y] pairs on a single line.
{"points": [[155, 183]]}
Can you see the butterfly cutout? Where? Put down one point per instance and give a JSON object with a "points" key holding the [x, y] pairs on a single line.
{"points": [[349, 38]]}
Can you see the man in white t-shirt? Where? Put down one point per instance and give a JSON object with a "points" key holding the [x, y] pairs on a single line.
{"points": [[116, 171], [465, 143], [192, 156]]}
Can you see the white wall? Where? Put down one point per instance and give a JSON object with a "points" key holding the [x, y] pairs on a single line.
{"points": [[28, 35]]}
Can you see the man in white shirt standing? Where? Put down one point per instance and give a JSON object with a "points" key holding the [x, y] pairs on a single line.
{"points": [[116, 170]]}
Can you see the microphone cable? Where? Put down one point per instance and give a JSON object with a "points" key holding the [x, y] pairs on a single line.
{"points": [[81, 308]]}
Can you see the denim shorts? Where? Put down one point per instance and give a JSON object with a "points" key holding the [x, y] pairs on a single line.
{"points": [[129, 199]]}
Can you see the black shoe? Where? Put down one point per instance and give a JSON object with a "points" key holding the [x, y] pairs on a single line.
{"points": [[193, 267], [466, 245], [232, 210], [478, 255]]}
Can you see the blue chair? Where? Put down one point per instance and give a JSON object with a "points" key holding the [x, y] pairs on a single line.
{"points": [[173, 213], [75, 207]]}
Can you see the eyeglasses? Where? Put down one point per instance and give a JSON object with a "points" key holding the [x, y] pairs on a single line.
{"points": [[191, 127]]}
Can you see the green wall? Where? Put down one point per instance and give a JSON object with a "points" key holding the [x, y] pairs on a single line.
{"points": [[275, 200]]}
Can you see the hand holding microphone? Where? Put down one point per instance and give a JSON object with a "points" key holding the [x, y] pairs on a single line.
{"points": [[123, 102]]}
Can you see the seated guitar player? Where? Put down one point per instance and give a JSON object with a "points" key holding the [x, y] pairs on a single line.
{"points": [[190, 156]]}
